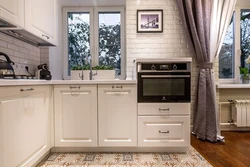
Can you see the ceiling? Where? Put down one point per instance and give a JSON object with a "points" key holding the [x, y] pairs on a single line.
{"points": [[92, 2]]}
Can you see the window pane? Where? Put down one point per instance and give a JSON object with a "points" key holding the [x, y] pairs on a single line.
{"points": [[110, 40], [245, 36], [78, 39], [226, 56]]}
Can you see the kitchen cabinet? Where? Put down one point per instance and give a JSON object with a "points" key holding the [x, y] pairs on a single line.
{"points": [[163, 131], [75, 115], [117, 115], [41, 19], [13, 12], [25, 121], [164, 125]]}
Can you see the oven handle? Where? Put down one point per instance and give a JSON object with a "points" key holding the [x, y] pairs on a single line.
{"points": [[165, 76]]}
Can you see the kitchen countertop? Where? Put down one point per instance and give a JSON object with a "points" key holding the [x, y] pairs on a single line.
{"points": [[16, 82]]}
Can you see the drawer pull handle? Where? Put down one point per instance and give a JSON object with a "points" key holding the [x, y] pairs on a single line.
{"points": [[45, 36], [164, 131], [116, 87], [74, 87], [24, 90], [164, 109]]}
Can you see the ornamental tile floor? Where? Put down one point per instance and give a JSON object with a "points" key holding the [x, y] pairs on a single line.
{"points": [[190, 159]]}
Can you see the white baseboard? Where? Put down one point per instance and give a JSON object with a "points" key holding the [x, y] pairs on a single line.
{"points": [[119, 149]]}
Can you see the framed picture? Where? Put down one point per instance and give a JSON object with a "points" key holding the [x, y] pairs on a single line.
{"points": [[150, 21]]}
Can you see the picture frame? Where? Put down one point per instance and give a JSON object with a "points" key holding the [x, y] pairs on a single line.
{"points": [[150, 21]]}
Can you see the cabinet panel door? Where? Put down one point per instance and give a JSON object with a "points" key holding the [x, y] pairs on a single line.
{"points": [[158, 131], [76, 115], [117, 115], [12, 11], [25, 122], [41, 19]]}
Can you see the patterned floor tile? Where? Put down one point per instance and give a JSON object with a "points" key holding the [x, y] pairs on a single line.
{"points": [[190, 159]]}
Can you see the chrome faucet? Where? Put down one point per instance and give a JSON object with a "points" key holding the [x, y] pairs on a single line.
{"points": [[91, 71]]}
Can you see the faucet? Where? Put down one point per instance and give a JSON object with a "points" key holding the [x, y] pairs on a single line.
{"points": [[91, 71]]}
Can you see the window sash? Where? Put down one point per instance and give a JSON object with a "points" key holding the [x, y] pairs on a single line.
{"points": [[94, 35]]}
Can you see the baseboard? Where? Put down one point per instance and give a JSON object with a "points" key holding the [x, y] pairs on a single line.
{"points": [[233, 128], [119, 149]]}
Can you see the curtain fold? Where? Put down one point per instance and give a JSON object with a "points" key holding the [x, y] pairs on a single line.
{"points": [[196, 16]]}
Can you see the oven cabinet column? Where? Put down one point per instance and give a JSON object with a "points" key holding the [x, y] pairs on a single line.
{"points": [[75, 115], [117, 115], [25, 121]]}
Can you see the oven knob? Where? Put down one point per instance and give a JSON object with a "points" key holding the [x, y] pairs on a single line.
{"points": [[174, 67], [153, 67]]}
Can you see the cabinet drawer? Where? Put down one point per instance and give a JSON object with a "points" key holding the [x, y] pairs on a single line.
{"points": [[159, 131], [163, 109]]}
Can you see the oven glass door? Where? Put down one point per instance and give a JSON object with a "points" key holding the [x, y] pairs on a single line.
{"points": [[163, 87]]}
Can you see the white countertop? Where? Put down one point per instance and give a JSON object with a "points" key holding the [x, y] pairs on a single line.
{"points": [[15, 82]]}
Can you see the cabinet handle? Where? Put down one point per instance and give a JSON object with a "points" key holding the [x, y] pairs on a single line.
{"points": [[75, 87], [116, 87], [164, 131], [45, 36], [164, 109], [30, 89], [117, 93]]}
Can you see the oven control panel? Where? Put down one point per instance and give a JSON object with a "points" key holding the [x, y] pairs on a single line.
{"points": [[164, 66]]}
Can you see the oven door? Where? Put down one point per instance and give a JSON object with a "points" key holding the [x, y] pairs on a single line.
{"points": [[162, 87]]}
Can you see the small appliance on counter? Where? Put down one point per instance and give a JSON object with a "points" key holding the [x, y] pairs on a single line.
{"points": [[6, 70], [43, 72]]}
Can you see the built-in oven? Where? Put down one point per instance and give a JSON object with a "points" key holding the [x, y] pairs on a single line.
{"points": [[163, 82]]}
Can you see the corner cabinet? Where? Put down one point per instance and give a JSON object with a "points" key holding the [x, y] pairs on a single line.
{"points": [[13, 12], [117, 115], [25, 121], [75, 115], [41, 19]]}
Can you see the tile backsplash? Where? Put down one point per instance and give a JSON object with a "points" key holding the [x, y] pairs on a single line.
{"points": [[21, 53]]}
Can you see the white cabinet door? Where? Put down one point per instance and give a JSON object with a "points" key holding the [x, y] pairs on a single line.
{"points": [[164, 131], [76, 115], [13, 12], [25, 125], [41, 19], [117, 115]]}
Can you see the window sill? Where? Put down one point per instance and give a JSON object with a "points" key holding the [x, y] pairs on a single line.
{"points": [[233, 86]]}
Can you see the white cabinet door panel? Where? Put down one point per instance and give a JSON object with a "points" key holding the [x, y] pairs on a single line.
{"points": [[13, 12], [117, 113], [76, 116], [41, 19], [25, 120], [158, 131]]}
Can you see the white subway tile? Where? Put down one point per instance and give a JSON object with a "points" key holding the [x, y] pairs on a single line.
{"points": [[6, 38], [3, 44], [13, 47]]}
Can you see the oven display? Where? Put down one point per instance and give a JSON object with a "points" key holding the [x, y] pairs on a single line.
{"points": [[164, 67]]}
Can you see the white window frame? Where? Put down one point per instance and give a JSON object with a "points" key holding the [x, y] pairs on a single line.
{"points": [[237, 47], [94, 29]]}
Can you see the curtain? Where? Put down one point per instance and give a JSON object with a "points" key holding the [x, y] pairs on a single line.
{"points": [[196, 17], [222, 12]]}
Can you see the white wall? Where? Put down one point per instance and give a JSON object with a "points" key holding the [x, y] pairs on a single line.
{"points": [[56, 53], [171, 43]]}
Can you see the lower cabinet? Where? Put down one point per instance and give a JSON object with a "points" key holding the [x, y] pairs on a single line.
{"points": [[117, 115], [25, 121], [160, 131], [75, 115]]}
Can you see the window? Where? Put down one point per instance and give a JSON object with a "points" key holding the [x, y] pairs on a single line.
{"points": [[236, 46], [226, 57], [94, 35]]}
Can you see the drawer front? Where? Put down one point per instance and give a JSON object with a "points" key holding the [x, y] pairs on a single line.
{"points": [[159, 131], [161, 109]]}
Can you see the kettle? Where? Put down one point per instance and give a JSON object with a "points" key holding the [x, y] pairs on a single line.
{"points": [[6, 70]]}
